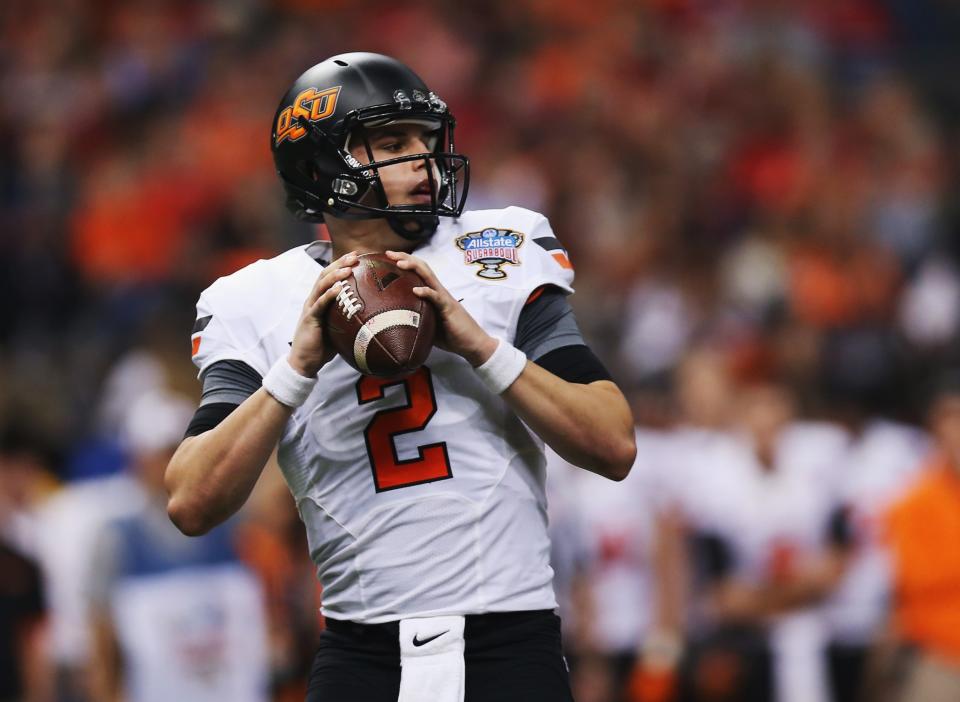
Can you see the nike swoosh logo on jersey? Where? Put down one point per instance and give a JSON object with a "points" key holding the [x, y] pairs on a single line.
{"points": [[421, 642]]}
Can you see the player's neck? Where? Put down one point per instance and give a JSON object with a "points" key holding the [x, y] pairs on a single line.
{"points": [[365, 235]]}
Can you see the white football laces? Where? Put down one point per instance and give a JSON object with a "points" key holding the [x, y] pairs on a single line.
{"points": [[348, 302]]}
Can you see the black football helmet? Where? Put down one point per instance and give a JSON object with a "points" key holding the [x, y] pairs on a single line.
{"points": [[330, 105]]}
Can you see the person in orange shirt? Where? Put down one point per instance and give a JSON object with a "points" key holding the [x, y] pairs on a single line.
{"points": [[924, 530]]}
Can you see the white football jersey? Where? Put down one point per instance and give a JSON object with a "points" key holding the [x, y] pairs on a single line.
{"points": [[771, 521], [617, 522], [764, 516], [421, 496]]}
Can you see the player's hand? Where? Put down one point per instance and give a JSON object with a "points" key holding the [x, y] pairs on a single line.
{"points": [[309, 351], [457, 332]]}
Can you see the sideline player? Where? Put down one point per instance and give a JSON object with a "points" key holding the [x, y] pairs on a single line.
{"points": [[422, 497]]}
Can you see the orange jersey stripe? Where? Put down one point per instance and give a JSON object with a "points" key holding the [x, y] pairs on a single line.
{"points": [[196, 345], [562, 259]]}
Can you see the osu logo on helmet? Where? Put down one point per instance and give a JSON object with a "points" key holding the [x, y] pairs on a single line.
{"points": [[309, 104]]}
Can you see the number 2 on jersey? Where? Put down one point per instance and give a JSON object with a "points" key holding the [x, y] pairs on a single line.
{"points": [[389, 472]]}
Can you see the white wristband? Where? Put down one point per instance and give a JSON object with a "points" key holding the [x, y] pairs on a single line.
{"points": [[502, 368], [286, 385]]}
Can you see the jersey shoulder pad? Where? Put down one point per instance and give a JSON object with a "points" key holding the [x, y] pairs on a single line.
{"points": [[544, 249], [237, 312]]}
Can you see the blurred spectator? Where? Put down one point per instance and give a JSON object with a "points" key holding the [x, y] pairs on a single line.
{"points": [[69, 525], [880, 461], [762, 509], [72, 519], [271, 541], [173, 617], [924, 528], [675, 445], [614, 525]]}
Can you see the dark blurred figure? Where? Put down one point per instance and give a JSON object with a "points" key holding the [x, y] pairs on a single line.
{"points": [[21, 627], [24, 675], [924, 532]]}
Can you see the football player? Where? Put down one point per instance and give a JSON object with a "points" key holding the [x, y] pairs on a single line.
{"points": [[422, 496]]}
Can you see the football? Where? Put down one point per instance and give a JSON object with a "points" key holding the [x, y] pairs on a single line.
{"points": [[376, 323]]}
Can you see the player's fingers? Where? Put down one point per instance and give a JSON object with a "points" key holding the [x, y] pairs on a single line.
{"points": [[319, 306], [330, 276], [418, 266], [348, 260], [439, 300]]}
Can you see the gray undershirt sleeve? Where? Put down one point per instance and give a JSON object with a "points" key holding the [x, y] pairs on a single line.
{"points": [[231, 382], [547, 324]]}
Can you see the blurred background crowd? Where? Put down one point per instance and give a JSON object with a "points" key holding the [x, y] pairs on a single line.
{"points": [[756, 196]]}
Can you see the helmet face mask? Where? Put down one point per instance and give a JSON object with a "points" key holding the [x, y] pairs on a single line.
{"points": [[330, 110]]}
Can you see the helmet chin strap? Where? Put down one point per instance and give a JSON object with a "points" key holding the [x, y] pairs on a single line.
{"points": [[413, 227]]}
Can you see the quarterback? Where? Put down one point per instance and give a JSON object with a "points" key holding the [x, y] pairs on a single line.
{"points": [[422, 496]]}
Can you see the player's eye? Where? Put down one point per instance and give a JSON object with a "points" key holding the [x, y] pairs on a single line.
{"points": [[393, 146]]}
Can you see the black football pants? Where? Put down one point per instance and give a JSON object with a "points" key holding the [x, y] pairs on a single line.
{"points": [[510, 657]]}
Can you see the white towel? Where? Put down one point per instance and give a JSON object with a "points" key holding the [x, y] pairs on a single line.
{"points": [[431, 659]]}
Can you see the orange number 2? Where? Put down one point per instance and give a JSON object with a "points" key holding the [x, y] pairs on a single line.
{"points": [[389, 472]]}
